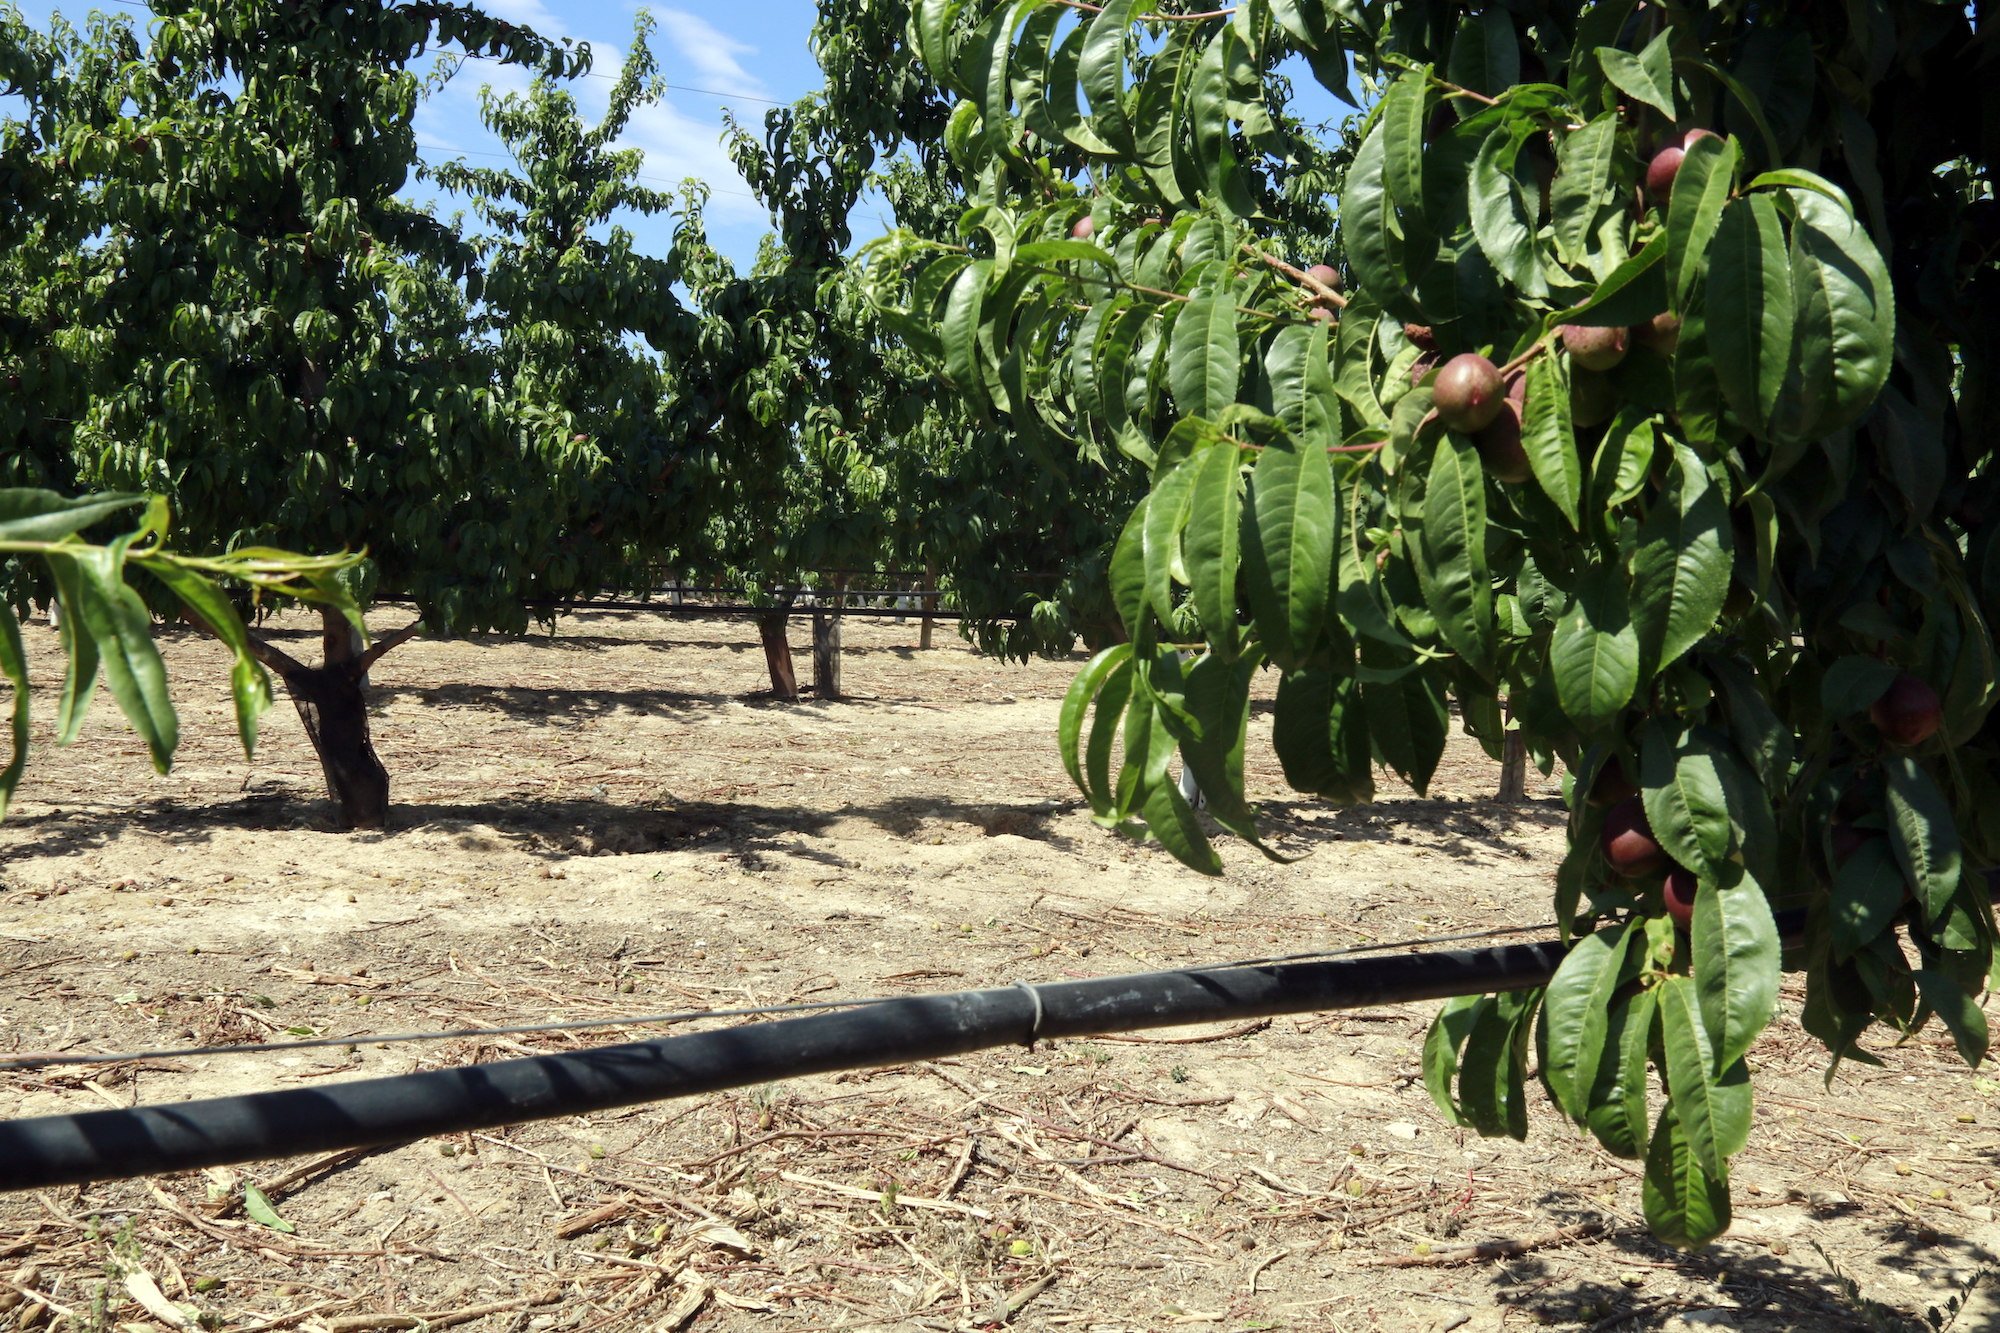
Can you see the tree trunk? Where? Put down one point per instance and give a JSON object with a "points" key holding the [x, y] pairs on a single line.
{"points": [[778, 651], [929, 602], [1513, 770], [826, 647], [332, 700]]}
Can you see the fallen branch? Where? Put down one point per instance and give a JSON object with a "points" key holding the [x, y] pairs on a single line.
{"points": [[367, 1323], [1497, 1249]]}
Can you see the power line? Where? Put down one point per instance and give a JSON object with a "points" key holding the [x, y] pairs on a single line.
{"points": [[489, 153]]}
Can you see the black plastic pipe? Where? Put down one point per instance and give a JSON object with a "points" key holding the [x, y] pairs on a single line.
{"points": [[146, 1140]]}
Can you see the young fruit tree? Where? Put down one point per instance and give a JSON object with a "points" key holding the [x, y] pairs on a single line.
{"points": [[1645, 400]]}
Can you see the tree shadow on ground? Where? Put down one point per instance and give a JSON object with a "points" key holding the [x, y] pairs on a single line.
{"points": [[528, 701], [550, 828], [1758, 1289], [1465, 829]]}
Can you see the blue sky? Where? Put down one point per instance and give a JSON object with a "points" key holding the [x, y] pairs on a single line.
{"points": [[746, 55], [743, 54]]}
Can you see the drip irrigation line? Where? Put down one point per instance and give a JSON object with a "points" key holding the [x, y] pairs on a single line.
{"points": [[47, 1059], [54, 1150], [733, 610]]}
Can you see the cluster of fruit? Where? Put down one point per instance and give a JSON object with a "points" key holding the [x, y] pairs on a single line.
{"points": [[1906, 715]]}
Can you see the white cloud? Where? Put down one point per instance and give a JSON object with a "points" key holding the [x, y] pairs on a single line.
{"points": [[678, 145], [710, 52], [532, 13]]}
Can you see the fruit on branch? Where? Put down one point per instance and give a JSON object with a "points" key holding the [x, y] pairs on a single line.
{"points": [[1611, 786], [1908, 713], [1085, 228], [1666, 165], [1847, 840], [1326, 275], [1321, 313], [1677, 892], [1592, 400], [1421, 367], [1499, 446], [1662, 333], [1468, 393], [1628, 841], [1594, 348]]}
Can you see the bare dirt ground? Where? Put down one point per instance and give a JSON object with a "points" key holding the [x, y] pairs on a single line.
{"points": [[615, 821]]}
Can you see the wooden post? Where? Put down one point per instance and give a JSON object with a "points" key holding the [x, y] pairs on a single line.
{"points": [[1513, 765], [929, 604], [826, 643]]}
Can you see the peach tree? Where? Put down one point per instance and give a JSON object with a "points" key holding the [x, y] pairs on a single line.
{"points": [[1636, 401]]}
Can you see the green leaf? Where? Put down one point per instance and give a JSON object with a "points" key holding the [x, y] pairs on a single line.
{"points": [[1594, 652], [1680, 571], [1868, 891], [1751, 308], [1289, 548], [1854, 682], [1501, 220], [962, 315], [1442, 1044], [250, 686], [29, 515], [1685, 1205], [1492, 1091], [1549, 440], [1212, 545], [1486, 53], [1057, 251], [1128, 572], [1647, 77], [1847, 313], [1583, 191], [1408, 718], [1713, 1108], [1320, 735], [1632, 293], [1576, 1015], [1170, 819], [1736, 954], [1166, 517], [1961, 1013], [1206, 358], [259, 1210], [79, 649], [1687, 803], [1452, 567], [1405, 109], [1102, 72], [14, 666], [118, 622], [1618, 1114], [1923, 833], [1085, 689], [1701, 189]]}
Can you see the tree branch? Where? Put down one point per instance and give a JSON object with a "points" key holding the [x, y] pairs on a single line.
{"points": [[383, 645], [269, 655]]}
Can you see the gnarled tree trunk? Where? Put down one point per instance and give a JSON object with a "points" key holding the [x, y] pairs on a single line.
{"points": [[778, 651], [332, 700]]}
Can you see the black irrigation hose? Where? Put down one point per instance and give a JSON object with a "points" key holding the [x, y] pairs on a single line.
{"points": [[146, 1140], [736, 611]]}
